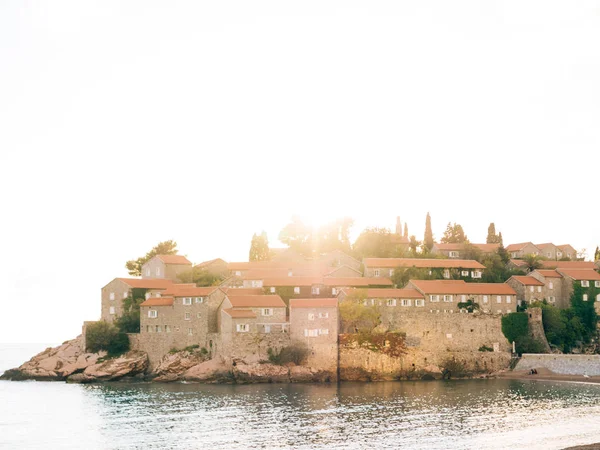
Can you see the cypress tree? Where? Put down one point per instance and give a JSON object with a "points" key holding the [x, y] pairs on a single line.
{"points": [[428, 239]]}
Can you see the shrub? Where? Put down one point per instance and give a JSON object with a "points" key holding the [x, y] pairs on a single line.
{"points": [[104, 336], [453, 367], [514, 325], [527, 344], [294, 353], [129, 322], [485, 348]]}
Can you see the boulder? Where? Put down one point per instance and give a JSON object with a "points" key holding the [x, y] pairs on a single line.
{"points": [[212, 371], [303, 374], [261, 373], [128, 365], [174, 365]]}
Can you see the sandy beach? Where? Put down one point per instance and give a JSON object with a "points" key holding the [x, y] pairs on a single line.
{"points": [[546, 375]]}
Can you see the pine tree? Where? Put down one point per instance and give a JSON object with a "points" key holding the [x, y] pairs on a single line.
{"points": [[428, 239]]}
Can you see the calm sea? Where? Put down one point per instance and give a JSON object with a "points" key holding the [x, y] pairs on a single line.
{"points": [[471, 414]]}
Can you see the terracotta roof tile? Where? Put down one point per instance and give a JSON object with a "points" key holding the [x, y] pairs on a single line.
{"points": [[147, 283], [158, 301], [174, 259], [527, 281], [580, 274], [392, 263], [191, 291], [356, 281], [549, 273], [313, 302], [292, 281], [243, 291], [460, 287], [568, 265], [240, 313], [389, 293], [516, 247], [518, 262], [260, 274], [257, 301]]}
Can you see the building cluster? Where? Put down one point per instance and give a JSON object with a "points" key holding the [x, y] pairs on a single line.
{"points": [[291, 300]]}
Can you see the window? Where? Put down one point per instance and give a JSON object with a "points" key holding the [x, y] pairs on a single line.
{"points": [[267, 311], [158, 329], [199, 299], [315, 290], [549, 255], [188, 316], [311, 316], [323, 315], [111, 296], [598, 298], [531, 288], [148, 271], [158, 271], [311, 333], [476, 274], [485, 299], [508, 311], [498, 299], [242, 327], [148, 329], [238, 273], [125, 294], [333, 291], [434, 298], [513, 255], [376, 273], [597, 284], [550, 285], [324, 331], [256, 283], [584, 283], [464, 273], [447, 298], [391, 302], [272, 289], [267, 328], [463, 298], [190, 331], [453, 254], [539, 289], [167, 328], [112, 310], [296, 290], [508, 300], [585, 297], [198, 315], [187, 300], [153, 314], [419, 302], [147, 295], [499, 311], [448, 335], [551, 299], [406, 302], [446, 273]]}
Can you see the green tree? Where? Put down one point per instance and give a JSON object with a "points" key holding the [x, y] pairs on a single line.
{"points": [[454, 234], [514, 326], [533, 262], [201, 277], [428, 238], [309, 241], [414, 245], [597, 254], [492, 237], [104, 336], [129, 321], [470, 305], [259, 247], [134, 266], [358, 316], [374, 243]]}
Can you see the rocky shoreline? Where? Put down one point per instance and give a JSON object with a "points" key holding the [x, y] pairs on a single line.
{"points": [[71, 363]]}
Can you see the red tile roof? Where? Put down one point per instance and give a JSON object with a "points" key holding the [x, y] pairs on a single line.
{"points": [[292, 281], [313, 302], [549, 273], [568, 265], [580, 274], [147, 283], [257, 301], [527, 281], [486, 248], [210, 263], [356, 281], [518, 262], [174, 259], [389, 293], [240, 313], [243, 291], [460, 287], [516, 247], [191, 291], [158, 301], [260, 274], [543, 246], [422, 263]]}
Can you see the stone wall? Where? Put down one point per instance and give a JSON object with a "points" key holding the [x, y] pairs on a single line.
{"points": [[562, 364], [536, 326]]}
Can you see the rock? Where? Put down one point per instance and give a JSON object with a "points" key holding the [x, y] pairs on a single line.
{"points": [[174, 365], [303, 374], [127, 365], [261, 373], [212, 371]]}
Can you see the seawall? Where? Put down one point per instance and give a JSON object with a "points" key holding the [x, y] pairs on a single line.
{"points": [[562, 364]]}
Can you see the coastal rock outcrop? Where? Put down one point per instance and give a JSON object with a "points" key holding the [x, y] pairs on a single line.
{"points": [[128, 365], [211, 371], [261, 373], [174, 365], [55, 364]]}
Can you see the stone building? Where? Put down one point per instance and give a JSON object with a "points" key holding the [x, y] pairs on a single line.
{"points": [[338, 258], [314, 324], [456, 250], [217, 267], [529, 289], [566, 251], [384, 267], [166, 266], [120, 288], [443, 296], [586, 278], [519, 251], [568, 265], [554, 288], [549, 250]]}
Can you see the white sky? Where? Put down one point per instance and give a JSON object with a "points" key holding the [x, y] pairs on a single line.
{"points": [[126, 123]]}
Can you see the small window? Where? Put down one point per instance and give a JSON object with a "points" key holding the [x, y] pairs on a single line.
{"points": [[187, 300], [125, 294], [323, 315], [531, 288], [190, 332], [597, 284], [153, 314], [550, 285], [148, 271], [272, 289], [499, 311], [585, 283], [376, 272], [453, 254], [256, 283], [448, 335], [147, 295], [391, 272], [242, 327], [167, 328], [585, 297], [419, 302], [187, 316], [498, 298], [476, 274], [296, 290], [447, 298], [508, 299], [539, 289], [111, 296], [406, 302], [333, 291], [311, 333], [485, 299], [238, 273], [267, 328], [148, 328], [315, 290], [391, 302], [158, 329], [199, 299], [267, 311], [446, 273], [551, 299], [463, 298], [324, 331], [464, 273], [311, 316], [158, 271], [112, 310], [198, 315], [434, 298]]}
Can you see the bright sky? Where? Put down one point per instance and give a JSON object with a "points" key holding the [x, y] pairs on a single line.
{"points": [[126, 123]]}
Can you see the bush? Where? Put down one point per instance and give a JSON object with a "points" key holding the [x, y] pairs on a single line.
{"points": [[485, 348], [453, 367], [294, 353], [104, 336], [129, 322], [527, 344], [514, 326]]}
